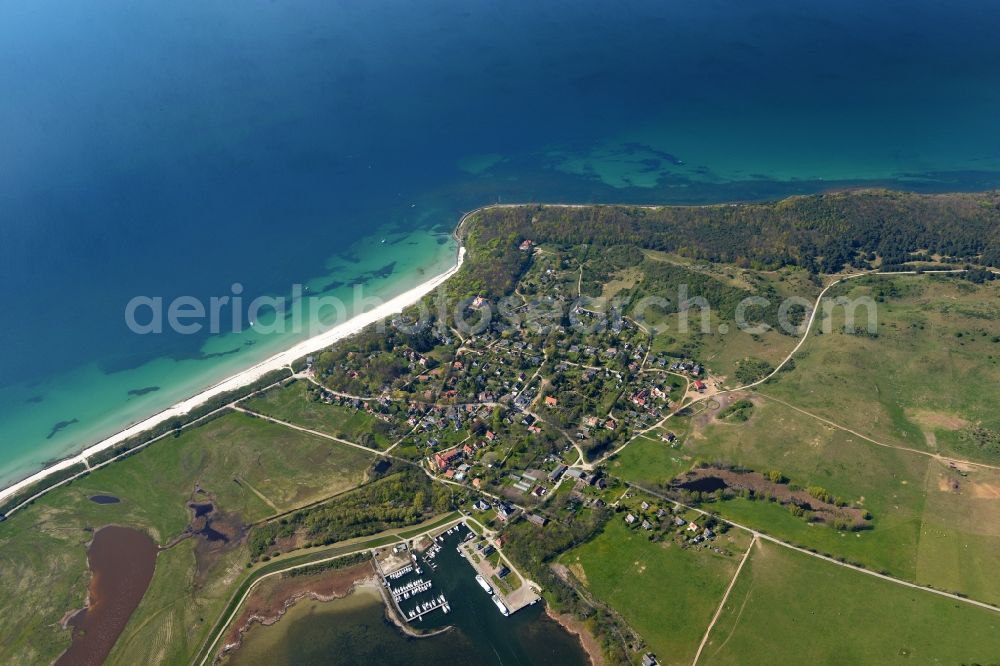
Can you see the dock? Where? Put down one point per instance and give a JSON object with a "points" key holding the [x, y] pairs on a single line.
{"points": [[508, 591], [428, 607], [411, 589]]}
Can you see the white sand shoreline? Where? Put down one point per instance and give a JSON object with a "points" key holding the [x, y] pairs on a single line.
{"points": [[245, 377]]}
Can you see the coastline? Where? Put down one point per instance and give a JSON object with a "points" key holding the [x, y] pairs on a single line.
{"points": [[248, 376], [583, 634], [273, 613]]}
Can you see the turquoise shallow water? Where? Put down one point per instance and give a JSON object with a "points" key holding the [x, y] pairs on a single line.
{"points": [[171, 149], [99, 403]]}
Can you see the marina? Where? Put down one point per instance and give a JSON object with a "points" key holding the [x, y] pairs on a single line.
{"points": [[354, 629], [428, 606], [424, 580], [496, 576], [411, 589]]}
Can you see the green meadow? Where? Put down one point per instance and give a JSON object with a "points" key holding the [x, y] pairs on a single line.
{"points": [[666, 593], [650, 461], [926, 381], [292, 403], [827, 614], [930, 523], [250, 469]]}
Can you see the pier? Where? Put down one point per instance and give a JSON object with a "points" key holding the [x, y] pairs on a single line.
{"points": [[494, 574], [411, 589], [427, 607]]}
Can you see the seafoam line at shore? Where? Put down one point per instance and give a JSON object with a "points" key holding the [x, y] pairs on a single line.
{"points": [[250, 375]]}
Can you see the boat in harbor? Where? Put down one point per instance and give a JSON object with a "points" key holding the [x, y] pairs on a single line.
{"points": [[500, 605], [483, 584]]}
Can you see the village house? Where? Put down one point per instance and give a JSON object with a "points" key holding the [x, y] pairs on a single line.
{"points": [[443, 459], [504, 511]]}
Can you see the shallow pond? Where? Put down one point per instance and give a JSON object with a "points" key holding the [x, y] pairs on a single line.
{"points": [[121, 560]]}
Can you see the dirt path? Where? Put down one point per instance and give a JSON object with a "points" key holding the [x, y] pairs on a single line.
{"points": [[929, 454], [725, 598], [785, 544], [262, 496], [784, 362]]}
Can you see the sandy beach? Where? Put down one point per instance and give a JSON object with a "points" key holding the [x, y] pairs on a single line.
{"points": [[250, 375]]}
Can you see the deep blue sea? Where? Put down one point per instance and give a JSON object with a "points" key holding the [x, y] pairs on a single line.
{"points": [[175, 148]]}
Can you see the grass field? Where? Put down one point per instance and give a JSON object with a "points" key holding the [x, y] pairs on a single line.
{"points": [[649, 461], [248, 466], [666, 593], [825, 614], [292, 403], [925, 381], [931, 523], [722, 346]]}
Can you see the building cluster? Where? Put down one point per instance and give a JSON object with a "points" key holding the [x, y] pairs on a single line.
{"points": [[671, 522]]}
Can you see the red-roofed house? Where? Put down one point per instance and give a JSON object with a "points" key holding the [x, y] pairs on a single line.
{"points": [[445, 458]]}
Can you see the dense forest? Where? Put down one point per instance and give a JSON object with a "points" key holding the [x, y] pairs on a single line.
{"points": [[822, 233]]}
